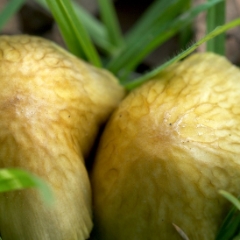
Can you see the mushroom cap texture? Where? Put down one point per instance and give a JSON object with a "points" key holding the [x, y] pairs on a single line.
{"points": [[52, 105], [167, 150]]}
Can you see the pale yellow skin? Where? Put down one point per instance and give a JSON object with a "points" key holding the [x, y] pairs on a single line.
{"points": [[52, 105], [167, 150]]}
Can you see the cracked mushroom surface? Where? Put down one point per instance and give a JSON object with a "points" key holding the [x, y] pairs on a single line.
{"points": [[167, 150], [52, 105]]}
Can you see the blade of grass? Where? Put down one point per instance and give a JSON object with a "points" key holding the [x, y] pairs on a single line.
{"points": [[95, 28], [79, 31], [110, 20], [16, 179], [237, 237], [211, 35], [67, 33], [156, 17], [158, 12], [150, 41], [231, 198], [69, 22], [216, 17], [231, 224], [186, 34], [9, 10], [180, 232]]}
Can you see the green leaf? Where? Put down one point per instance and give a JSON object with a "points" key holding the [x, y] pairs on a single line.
{"points": [[135, 83], [110, 20], [9, 10], [216, 17], [16, 179], [73, 31]]}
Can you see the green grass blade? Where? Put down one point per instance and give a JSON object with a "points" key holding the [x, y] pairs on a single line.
{"points": [[159, 12], [79, 32], [231, 199], [9, 10], [221, 29], [181, 233], [156, 17], [16, 179], [150, 41], [73, 31], [110, 20], [231, 224], [95, 28], [216, 17], [186, 34], [133, 53], [237, 237], [67, 33]]}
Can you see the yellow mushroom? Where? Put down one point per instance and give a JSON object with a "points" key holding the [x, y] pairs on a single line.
{"points": [[167, 150], [51, 107]]}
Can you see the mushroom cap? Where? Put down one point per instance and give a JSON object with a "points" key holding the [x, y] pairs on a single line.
{"points": [[52, 105], [167, 150]]}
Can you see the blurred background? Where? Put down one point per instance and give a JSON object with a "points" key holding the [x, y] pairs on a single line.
{"points": [[36, 20]]}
